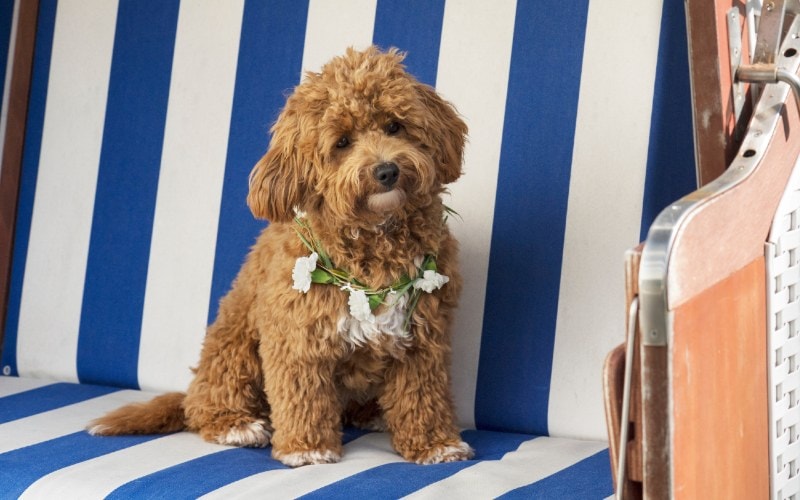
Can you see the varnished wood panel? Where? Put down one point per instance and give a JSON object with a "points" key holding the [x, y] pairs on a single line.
{"points": [[719, 386], [613, 389], [13, 143], [712, 94], [655, 418]]}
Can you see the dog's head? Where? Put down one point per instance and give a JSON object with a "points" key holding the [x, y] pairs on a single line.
{"points": [[360, 140]]}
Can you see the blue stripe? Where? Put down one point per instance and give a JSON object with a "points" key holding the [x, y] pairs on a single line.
{"points": [[588, 479], [529, 221], [399, 479], [197, 477], [415, 27], [21, 468], [670, 156], [130, 159], [30, 170], [270, 59], [49, 397]]}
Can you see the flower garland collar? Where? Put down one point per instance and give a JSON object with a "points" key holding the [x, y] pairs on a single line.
{"points": [[318, 268]]}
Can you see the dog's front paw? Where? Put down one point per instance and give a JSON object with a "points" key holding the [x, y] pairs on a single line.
{"points": [[255, 434], [445, 453], [309, 457]]}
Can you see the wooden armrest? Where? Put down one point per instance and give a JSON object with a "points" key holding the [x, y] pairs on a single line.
{"points": [[613, 383]]}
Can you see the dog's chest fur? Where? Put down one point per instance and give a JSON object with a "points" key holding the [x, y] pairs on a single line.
{"points": [[389, 323]]}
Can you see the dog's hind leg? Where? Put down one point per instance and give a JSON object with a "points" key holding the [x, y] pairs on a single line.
{"points": [[226, 402]]}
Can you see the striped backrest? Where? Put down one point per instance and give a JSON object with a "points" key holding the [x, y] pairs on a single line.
{"points": [[146, 117]]}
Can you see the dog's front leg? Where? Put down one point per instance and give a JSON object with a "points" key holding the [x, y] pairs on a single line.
{"points": [[305, 408], [419, 411]]}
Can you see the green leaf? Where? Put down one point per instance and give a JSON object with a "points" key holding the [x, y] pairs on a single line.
{"points": [[321, 276], [376, 299], [338, 274], [324, 256], [402, 283], [401, 289], [450, 211]]}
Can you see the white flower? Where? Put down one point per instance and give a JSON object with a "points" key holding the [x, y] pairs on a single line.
{"points": [[430, 281], [359, 306], [301, 274]]}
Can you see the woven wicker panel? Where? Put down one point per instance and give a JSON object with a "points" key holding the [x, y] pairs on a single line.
{"points": [[783, 306]]}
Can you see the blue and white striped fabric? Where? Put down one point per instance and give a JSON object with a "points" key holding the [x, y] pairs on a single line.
{"points": [[145, 119]]}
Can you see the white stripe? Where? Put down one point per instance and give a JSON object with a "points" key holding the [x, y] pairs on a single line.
{"points": [[189, 192], [475, 48], [62, 421], [14, 385], [533, 461], [604, 209], [12, 43], [72, 134], [334, 26], [98, 477], [364, 453]]}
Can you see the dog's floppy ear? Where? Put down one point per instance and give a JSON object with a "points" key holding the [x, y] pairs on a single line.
{"points": [[277, 183], [450, 134]]}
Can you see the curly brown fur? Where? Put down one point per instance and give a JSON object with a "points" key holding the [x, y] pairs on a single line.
{"points": [[276, 365]]}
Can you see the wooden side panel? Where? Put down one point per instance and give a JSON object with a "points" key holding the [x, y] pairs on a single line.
{"points": [[613, 388], [719, 363], [632, 260], [712, 94], [613, 382], [13, 142], [655, 418]]}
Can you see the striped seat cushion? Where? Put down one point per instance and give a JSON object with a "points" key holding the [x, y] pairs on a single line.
{"points": [[45, 454], [145, 119]]}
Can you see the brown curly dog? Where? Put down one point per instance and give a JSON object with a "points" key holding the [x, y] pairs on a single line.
{"points": [[341, 312]]}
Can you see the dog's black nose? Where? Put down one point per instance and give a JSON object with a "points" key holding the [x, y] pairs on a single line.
{"points": [[386, 173]]}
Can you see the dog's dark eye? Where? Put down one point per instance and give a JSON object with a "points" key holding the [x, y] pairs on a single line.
{"points": [[393, 128], [344, 141]]}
